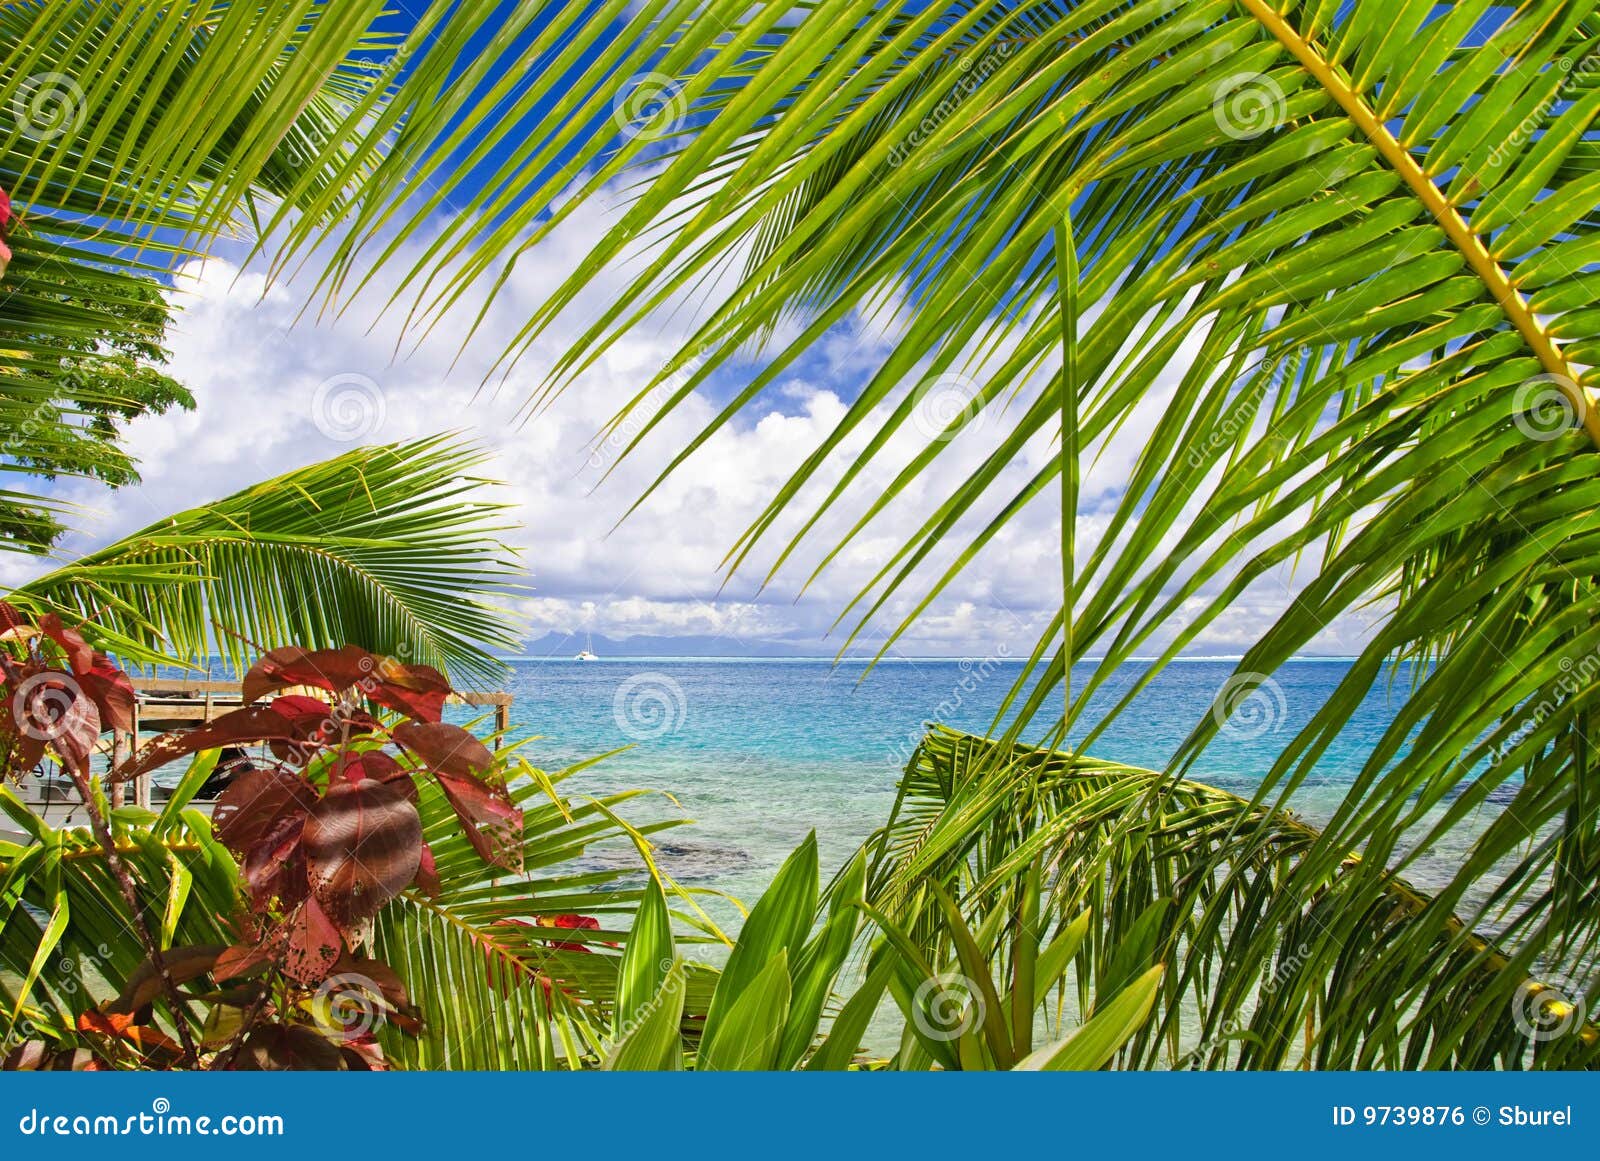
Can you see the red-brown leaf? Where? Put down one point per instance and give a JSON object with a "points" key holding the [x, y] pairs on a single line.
{"points": [[572, 923], [11, 619], [144, 985], [254, 723], [314, 945], [417, 690], [242, 959], [445, 748], [354, 766], [79, 655], [255, 802], [288, 1048], [51, 709], [111, 691], [428, 873], [330, 669], [363, 845], [275, 867], [493, 825]]}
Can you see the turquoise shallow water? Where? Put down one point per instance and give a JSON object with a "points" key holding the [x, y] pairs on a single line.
{"points": [[758, 752]]}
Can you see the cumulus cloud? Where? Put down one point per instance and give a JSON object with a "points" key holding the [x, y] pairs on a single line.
{"points": [[278, 387]]}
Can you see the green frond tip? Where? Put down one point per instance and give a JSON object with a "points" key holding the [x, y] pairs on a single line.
{"points": [[1283, 947], [393, 548]]}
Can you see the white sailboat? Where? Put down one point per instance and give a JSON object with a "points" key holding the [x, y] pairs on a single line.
{"points": [[588, 652]]}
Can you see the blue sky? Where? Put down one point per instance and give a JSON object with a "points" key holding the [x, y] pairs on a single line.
{"points": [[276, 390]]}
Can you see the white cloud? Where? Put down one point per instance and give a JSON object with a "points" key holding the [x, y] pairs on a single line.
{"points": [[256, 367]]}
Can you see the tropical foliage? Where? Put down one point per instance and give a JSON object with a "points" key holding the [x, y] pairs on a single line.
{"points": [[390, 547], [1346, 253], [262, 910]]}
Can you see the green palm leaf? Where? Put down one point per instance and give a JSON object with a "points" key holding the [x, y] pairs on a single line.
{"points": [[385, 547]]}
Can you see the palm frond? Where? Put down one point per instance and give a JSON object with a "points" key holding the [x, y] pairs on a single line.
{"points": [[501, 993], [384, 547], [1349, 249], [132, 139], [1268, 967]]}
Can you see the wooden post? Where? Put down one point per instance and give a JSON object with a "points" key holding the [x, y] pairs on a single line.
{"points": [[141, 786], [502, 720], [119, 755]]}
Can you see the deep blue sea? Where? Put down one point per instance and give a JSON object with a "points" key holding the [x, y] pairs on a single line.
{"points": [[758, 752]]}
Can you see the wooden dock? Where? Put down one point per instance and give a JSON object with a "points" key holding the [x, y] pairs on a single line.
{"points": [[165, 704]]}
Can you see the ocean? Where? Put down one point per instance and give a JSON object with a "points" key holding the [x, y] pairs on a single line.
{"points": [[759, 752]]}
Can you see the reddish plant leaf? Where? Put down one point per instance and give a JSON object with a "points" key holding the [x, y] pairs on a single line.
{"points": [[275, 868], [493, 825], [314, 945], [330, 669], [417, 690], [112, 1024], [506, 971], [255, 802], [144, 985], [10, 618], [79, 655], [354, 766], [49, 708], [306, 715], [381, 975], [146, 1040], [363, 1054], [254, 723], [288, 1048], [363, 844], [111, 691], [571, 922], [444, 748], [428, 873], [242, 959]]}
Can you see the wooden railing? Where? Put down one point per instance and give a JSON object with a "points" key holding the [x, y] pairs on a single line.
{"points": [[178, 703]]}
